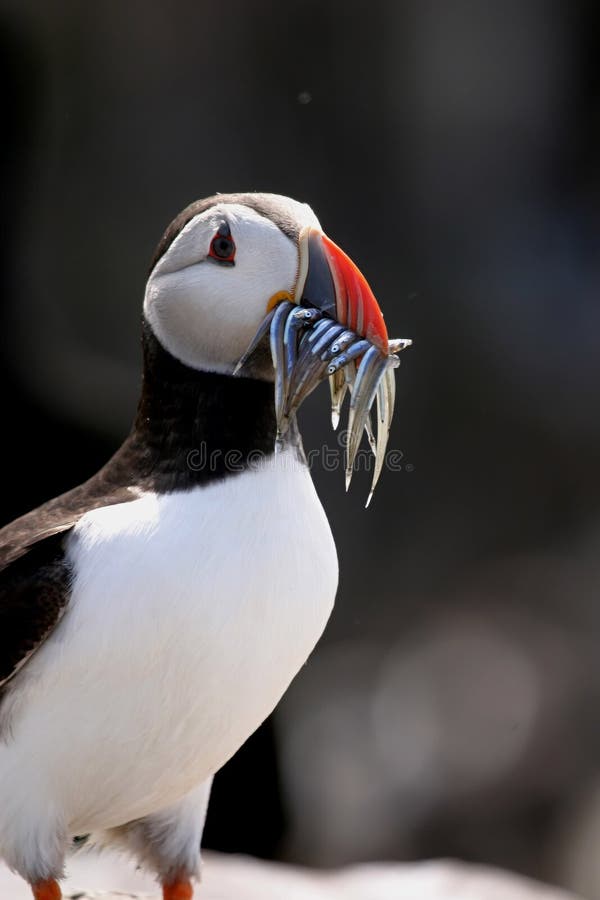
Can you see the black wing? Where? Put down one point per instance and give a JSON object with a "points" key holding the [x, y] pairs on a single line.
{"points": [[34, 593], [35, 577]]}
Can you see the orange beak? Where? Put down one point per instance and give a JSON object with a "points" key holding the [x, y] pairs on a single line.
{"points": [[331, 282]]}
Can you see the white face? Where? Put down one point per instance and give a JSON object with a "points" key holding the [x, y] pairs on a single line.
{"points": [[205, 312]]}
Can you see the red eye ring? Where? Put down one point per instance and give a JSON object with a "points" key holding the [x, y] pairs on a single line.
{"points": [[222, 246]]}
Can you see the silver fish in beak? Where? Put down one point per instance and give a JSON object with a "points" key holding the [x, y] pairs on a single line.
{"points": [[331, 327]]}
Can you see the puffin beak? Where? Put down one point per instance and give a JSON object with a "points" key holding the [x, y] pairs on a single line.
{"points": [[331, 282], [337, 332]]}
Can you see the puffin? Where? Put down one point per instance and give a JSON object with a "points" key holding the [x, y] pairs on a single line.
{"points": [[152, 617]]}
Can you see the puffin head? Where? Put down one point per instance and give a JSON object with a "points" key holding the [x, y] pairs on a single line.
{"points": [[226, 261]]}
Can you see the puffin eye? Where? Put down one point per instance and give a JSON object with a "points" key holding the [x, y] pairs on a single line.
{"points": [[222, 246]]}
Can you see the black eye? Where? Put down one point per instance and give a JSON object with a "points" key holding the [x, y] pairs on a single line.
{"points": [[222, 246]]}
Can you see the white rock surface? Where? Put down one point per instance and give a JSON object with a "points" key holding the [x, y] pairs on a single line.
{"points": [[243, 878]]}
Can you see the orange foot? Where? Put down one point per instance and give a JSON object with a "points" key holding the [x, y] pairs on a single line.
{"points": [[178, 890], [46, 890]]}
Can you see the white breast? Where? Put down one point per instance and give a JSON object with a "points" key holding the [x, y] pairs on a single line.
{"points": [[190, 615]]}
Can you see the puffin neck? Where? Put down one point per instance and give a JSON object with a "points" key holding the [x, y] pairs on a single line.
{"points": [[193, 427]]}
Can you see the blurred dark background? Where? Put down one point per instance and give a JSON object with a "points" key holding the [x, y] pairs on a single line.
{"points": [[452, 149]]}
